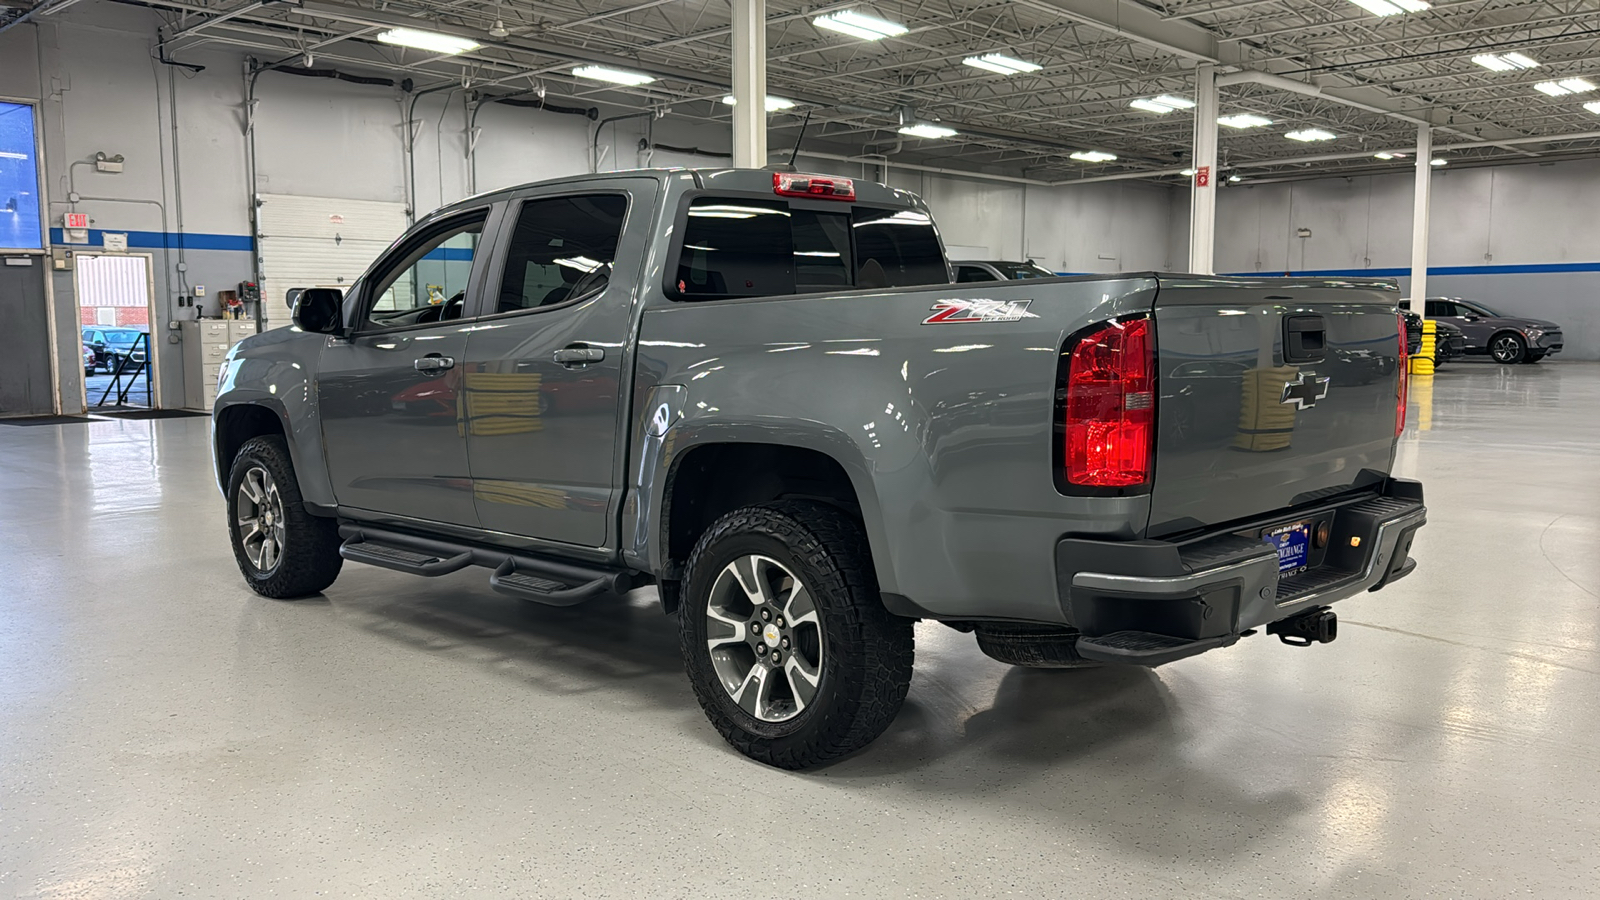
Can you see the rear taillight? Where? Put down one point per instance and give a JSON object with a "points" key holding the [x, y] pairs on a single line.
{"points": [[1110, 408], [1403, 385], [817, 187]]}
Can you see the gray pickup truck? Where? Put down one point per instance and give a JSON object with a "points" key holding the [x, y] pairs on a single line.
{"points": [[761, 392]]}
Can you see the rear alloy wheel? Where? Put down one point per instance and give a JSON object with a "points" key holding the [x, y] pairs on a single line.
{"points": [[283, 551], [786, 641], [1507, 348]]}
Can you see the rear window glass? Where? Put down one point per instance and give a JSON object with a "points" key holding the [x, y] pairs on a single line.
{"points": [[737, 247], [901, 244]]}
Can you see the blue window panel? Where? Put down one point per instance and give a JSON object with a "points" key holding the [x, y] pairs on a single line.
{"points": [[19, 180]]}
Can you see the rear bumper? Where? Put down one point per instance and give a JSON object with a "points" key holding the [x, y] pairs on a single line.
{"points": [[1210, 590]]}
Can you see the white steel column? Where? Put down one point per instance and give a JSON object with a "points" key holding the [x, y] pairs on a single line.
{"points": [[1419, 220], [1203, 190], [750, 83]]}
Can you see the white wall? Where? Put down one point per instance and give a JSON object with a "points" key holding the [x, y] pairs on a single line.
{"points": [[101, 91], [1495, 235]]}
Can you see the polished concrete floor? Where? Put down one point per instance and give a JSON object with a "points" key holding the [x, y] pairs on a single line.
{"points": [[165, 733]]}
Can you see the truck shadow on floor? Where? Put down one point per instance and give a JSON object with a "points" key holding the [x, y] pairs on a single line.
{"points": [[610, 643]]}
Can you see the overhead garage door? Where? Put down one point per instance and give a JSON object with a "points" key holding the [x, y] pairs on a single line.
{"points": [[319, 242]]}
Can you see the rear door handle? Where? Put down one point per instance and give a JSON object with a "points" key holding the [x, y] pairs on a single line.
{"points": [[433, 362], [578, 355]]}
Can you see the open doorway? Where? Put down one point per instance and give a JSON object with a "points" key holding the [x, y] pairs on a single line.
{"points": [[114, 311]]}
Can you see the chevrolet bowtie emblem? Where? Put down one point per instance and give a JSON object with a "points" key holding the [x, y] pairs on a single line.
{"points": [[1304, 391]]}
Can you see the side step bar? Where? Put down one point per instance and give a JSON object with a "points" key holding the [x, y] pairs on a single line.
{"points": [[517, 574]]}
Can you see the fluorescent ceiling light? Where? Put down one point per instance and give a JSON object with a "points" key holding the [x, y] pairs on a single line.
{"points": [[428, 40], [1162, 105], [1564, 87], [773, 104], [1504, 62], [1186, 173], [1438, 161], [1243, 120], [860, 25], [1001, 64], [1308, 135], [1093, 156], [1383, 154], [1593, 106], [1234, 179], [925, 130], [615, 76], [1391, 7]]}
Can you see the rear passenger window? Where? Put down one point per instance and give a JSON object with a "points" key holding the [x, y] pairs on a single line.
{"points": [[562, 249], [897, 248], [971, 275]]}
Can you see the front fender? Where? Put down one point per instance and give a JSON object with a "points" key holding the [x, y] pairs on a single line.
{"points": [[276, 371]]}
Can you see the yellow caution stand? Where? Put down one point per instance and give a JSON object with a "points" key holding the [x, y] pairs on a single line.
{"points": [[1422, 363]]}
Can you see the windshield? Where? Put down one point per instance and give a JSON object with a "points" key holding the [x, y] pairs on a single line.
{"points": [[1479, 308], [1016, 271], [122, 338]]}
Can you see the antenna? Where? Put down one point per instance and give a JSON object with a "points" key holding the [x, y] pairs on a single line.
{"points": [[796, 154]]}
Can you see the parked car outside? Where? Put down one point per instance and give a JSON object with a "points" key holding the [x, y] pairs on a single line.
{"points": [[1507, 339], [998, 270], [112, 345], [90, 363]]}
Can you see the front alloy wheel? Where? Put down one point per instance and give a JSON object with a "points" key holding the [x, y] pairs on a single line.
{"points": [[261, 525], [1507, 348], [765, 638], [282, 549]]}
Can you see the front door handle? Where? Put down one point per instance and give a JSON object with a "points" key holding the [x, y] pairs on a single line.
{"points": [[433, 362], [578, 355]]}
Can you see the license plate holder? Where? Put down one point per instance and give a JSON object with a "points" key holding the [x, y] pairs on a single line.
{"points": [[1293, 543]]}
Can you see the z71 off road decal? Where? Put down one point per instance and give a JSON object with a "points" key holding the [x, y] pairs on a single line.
{"points": [[968, 312]]}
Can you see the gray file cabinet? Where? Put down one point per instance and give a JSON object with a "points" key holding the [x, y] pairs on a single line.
{"points": [[205, 343]]}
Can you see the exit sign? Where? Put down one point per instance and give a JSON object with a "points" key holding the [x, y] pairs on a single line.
{"points": [[77, 220]]}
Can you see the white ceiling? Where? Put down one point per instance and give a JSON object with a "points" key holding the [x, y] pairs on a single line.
{"points": [[1378, 75]]}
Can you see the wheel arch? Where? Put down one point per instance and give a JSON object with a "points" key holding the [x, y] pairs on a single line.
{"points": [[710, 478]]}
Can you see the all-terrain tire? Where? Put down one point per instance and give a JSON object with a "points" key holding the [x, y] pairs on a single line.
{"points": [[867, 654], [1032, 646], [309, 559]]}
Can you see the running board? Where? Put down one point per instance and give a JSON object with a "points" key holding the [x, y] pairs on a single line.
{"points": [[552, 582], [509, 579]]}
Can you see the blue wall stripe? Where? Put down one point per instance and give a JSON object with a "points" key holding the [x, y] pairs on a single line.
{"points": [[152, 240], [1526, 269], [450, 254]]}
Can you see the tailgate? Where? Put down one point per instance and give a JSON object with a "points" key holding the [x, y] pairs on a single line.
{"points": [[1273, 393]]}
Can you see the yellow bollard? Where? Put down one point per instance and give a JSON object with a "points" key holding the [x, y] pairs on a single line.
{"points": [[1422, 363]]}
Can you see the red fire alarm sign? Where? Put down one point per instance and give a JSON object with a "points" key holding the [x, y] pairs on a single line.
{"points": [[77, 220], [1202, 176]]}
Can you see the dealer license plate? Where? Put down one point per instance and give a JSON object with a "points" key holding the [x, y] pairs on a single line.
{"points": [[1293, 543]]}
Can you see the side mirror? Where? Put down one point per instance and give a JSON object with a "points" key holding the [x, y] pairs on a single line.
{"points": [[318, 310]]}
